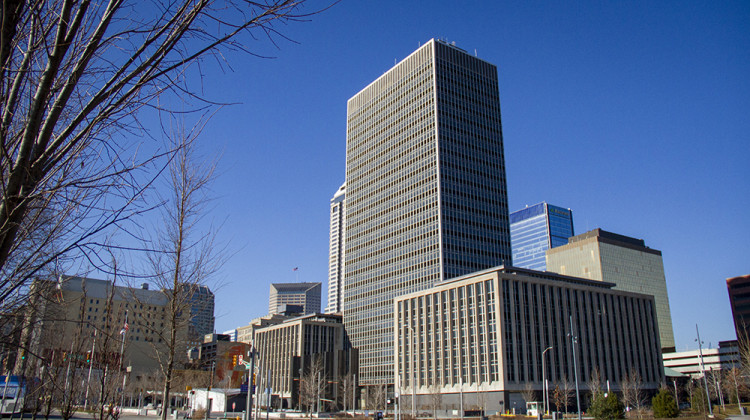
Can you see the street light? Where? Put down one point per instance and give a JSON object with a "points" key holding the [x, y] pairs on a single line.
{"points": [[573, 342], [544, 382], [703, 371]]}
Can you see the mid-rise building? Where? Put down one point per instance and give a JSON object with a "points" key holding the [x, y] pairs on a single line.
{"points": [[307, 348], [75, 317], [739, 299], [306, 295], [426, 196], [534, 230], [336, 252], [627, 262], [483, 337]]}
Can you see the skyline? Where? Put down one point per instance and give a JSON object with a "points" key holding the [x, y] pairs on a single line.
{"points": [[631, 115]]}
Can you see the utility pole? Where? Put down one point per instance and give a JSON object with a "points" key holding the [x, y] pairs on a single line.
{"points": [[703, 370]]}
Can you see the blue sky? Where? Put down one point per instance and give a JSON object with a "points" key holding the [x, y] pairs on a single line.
{"points": [[636, 115]]}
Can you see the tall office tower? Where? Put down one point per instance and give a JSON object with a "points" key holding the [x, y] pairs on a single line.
{"points": [[336, 251], [739, 299], [306, 295], [626, 262], [536, 229], [202, 319], [426, 196]]}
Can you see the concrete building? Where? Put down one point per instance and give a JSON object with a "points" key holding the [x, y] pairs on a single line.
{"points": [[246, 334], [306, 295], [482, 337], [726, 356], [68, 315], [426, 196], [336, 252], [287, 352], [627, 262], [739, 299], [534, 230]]}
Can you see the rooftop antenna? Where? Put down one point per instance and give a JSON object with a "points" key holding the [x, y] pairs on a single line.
{"points": [[475, 52]]}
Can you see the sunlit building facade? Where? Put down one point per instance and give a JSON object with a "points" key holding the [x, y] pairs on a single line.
{"points": [[426, 196], [482, 337], [336, 252], [627, 262]]}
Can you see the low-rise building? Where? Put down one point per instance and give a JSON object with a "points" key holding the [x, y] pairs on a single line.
{"points": [[484, 336], [688, 362], [310, 347]]}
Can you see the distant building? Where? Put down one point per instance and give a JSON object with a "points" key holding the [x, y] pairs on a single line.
{"points": [[290, 351], [627, 262], [306, 295], [739, 299], [201, 312], [336, 252], [426, 196], [232, 334], [726, 356], [68, 315], [481, 337], [246, 333], [217, 354], [536, 229]]}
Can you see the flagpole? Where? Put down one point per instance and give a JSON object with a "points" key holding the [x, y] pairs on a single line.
{"points": [[123, 332]]}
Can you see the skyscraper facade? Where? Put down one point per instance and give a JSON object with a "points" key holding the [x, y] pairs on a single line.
{"points": [[336, 251], [627, 262], [202, 319], [536, 229], [426, 196], [306, 295]]}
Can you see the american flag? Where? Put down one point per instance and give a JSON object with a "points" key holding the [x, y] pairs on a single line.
{"points": [[295, 268], [125, 327]]}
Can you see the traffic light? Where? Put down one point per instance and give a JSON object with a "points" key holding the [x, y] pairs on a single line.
{"points": [[234, 360], [253, 378], [65, 356], [88, 357]]}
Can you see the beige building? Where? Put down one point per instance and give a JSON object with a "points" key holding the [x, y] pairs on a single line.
{"points": [[288, 351], [626, 262], [75, 316], [246, 334], [306, 295], [481, 338]]}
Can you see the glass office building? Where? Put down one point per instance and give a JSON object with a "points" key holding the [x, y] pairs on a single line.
{"points": [[426, 196], [536, 229]]}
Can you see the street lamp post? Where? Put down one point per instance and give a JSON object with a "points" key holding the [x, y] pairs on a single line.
{"points": [[703, 370], [573, 342], [544, 382]]}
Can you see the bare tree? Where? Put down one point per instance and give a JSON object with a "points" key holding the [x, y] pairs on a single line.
{"points": [[75, 78], [528, 392], [185, 256], [436, 400], [313, 384], [563, 394], [346, 390], [376, 395], [595, 383], [633, 394]]}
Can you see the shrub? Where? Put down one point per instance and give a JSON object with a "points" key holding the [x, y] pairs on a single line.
{"points": [[664, 405], [606, 406]]}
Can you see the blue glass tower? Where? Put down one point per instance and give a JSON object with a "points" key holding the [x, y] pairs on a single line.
{"points": [[536, 229]]}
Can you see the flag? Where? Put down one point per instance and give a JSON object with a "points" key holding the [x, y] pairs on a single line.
{"points": [[295, 269], [125, 328]]}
